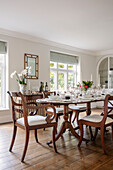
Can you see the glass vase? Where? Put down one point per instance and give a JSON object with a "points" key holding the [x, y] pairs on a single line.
{"points": [[22, 88]]}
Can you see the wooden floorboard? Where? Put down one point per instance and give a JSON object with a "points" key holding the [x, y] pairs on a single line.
{"points": [[40, 156]]}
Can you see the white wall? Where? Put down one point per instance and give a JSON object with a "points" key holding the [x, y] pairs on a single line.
{"points": [[18, 46]]}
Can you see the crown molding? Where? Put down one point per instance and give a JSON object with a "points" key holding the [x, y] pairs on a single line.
{"points": [[44, 41], [104, 52]]}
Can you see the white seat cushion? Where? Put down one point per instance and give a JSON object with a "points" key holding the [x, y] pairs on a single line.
{"points": [[33, 120], [96, 118], [58, 110], [77, 107]]}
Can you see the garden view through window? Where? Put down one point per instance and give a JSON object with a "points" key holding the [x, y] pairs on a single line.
{"points": [[3, 54], [62, 76]]}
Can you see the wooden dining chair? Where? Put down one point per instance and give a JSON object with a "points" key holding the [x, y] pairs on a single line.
{"points": [[32, 122], [98, 121], [59, 110], [77, 109]]}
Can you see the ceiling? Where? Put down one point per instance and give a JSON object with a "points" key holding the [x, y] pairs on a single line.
{"points": [[84, 24]]}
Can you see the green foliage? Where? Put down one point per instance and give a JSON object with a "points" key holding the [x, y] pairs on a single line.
{"points": [[61, 65], [51, 64], [87, 84], [70, 67], [70, 80], [52, 81], [78, 85], [21, 82], [61, 81]]}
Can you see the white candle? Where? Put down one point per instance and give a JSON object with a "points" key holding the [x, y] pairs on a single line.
{"points": [[91, 77], [81, 76]]}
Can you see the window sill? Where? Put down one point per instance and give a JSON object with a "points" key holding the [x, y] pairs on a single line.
{"points": [[3, 109]]}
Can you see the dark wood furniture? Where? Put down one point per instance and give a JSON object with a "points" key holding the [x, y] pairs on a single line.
{"points": [[66, 124], [47, 94], [98, 121], [28, 123], [59, 110], [77, 110], [31, 98]]}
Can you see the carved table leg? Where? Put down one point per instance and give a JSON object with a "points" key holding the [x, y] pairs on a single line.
{"points": [[65, 125]]}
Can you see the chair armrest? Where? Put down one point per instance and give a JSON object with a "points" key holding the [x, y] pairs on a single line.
{"points": [[48, 118]]}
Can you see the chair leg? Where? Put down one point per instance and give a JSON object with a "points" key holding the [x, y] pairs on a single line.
{"points": [[95, 134], [57, 121], [77, 116], [102, 139], [45, 116], [36, 137], [112, 131], [26, 145], [74, 118], [70, 117], [81, 134], [53, 137], [13, 138], [91, 133]]}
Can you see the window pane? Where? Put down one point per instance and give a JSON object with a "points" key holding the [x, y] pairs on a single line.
{"points": [[2, 81], [52, 79], [61, 81], [70, 67], [53, 64], [111, 73], [0, 85], [70, 80], [62, 66], [103, 71]]}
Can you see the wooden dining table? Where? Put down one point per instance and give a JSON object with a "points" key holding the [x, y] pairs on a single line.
{"points": [[66, 124]]}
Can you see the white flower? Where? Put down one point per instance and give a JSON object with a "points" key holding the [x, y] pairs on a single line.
{"points": [[12, 74], [27, 68], [20, 75], [24, 72]]}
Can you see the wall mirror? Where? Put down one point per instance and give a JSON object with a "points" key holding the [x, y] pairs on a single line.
{"points": [[32, 61]]}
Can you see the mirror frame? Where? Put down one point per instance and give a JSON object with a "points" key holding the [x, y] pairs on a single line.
{"points": [[26, 64]]}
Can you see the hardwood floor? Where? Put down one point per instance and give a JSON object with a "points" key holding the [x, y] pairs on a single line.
{"points": [[40, 156]]}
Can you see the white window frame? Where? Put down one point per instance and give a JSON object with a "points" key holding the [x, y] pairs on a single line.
{"points": [[3, 82], [66, 71]]}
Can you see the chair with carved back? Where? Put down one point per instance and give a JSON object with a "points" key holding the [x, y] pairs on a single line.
{"points": [[59, 110], [98, 121], [77, 109], [32, 122]]}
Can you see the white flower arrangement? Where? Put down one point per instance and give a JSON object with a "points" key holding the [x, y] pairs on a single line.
{"points": [[21, 77]]}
